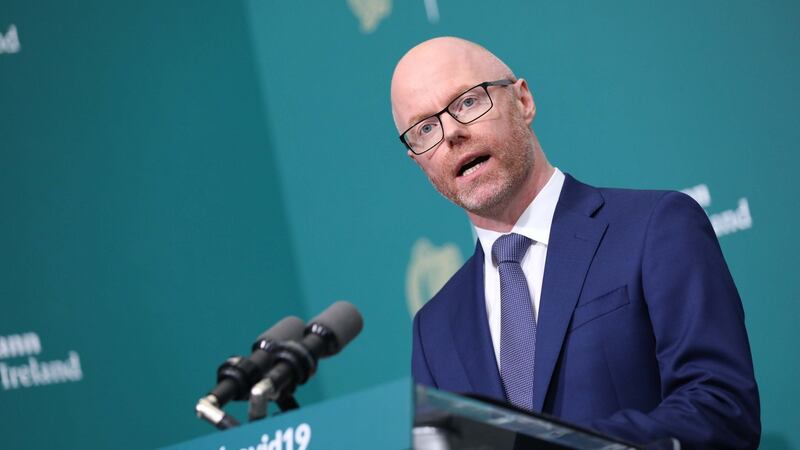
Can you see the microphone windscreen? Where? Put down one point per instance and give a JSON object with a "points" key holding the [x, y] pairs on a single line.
{"points": [[287, 329], [343, 320]]}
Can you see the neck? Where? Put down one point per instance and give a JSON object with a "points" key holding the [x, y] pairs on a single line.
{"points": [[503, 218]]}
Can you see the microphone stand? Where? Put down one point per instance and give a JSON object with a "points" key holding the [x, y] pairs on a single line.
{"points": [[299, 364], [279, 364], [208, 409]]}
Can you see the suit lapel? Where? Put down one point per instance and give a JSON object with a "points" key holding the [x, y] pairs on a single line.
{"points": [[470, 331], [574, 238]]}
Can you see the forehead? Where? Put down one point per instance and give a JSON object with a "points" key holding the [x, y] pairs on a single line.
{"points": [[424, 84]]}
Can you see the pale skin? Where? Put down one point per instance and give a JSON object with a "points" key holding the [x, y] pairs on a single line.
{"points": [[497, 192]]}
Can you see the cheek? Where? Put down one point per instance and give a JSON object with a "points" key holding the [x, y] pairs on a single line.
{"points": [[502, 132], [431, 166], [433, 172]]}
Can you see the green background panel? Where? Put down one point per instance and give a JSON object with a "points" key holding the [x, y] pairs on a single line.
{"points": [[175, 177]]}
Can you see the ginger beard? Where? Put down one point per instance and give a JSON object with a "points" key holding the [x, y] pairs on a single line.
{"points": [[512, 161]]}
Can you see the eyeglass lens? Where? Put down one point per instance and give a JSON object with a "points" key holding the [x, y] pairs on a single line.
{"points": [[466, 108]]}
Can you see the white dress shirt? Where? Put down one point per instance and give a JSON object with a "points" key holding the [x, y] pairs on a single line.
{"points": [[534, 223]]}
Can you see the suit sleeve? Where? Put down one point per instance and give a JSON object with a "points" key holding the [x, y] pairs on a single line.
{"points": [[419, 365], [709, 394]]}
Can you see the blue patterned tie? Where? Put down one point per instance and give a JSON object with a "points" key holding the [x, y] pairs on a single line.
{"points": [[517, 322]]}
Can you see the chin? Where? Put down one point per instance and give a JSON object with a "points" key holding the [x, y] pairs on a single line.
{"points": [[484, 200]]}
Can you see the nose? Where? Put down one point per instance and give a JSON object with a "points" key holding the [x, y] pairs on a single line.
{"points": [[454, 131]]}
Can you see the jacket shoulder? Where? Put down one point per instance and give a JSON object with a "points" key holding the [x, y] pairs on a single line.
{"points": [[641, 203]]}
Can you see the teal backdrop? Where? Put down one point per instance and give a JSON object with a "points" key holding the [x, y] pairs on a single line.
{"points": [[177, 176]]}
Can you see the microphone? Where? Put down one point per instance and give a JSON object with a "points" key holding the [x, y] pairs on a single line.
{"points": [[237, 374], [325, 335], [328, 333]]}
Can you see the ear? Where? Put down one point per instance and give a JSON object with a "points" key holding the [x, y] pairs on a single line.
{"points": [[525, 99]]}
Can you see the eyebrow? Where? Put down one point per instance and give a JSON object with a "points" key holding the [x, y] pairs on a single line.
{"points": [[460, 90]]}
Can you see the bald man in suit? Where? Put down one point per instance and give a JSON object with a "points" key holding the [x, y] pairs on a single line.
{"points": [[631, 323]]}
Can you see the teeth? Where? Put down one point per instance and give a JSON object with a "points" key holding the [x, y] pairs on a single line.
{"points": [[472, 169]]}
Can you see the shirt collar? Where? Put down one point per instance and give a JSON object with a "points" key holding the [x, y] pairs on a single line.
{"points": [[535, 221]]}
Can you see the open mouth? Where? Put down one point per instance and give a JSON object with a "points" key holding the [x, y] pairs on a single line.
{"points": [[472, 165]]}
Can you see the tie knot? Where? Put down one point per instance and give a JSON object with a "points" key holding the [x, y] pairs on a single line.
{"points": [[510, 248]]}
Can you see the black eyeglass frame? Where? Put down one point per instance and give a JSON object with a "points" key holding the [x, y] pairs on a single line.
{"points": [[484, 85]]}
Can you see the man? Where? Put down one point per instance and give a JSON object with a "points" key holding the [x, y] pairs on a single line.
{"points": [[610, 308]]}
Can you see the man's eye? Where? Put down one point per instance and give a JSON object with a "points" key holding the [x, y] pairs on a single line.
{"points": [[426, 128], [468, 102]]}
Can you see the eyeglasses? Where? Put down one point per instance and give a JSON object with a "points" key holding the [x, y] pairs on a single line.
{"points": [[466, 108]]}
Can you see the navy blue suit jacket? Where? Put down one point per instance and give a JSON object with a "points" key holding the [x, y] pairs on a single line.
{"points": [[640, 327]]}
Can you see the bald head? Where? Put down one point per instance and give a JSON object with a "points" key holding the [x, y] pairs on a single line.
{"points": [[491, 165], [436, 69]]}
